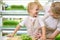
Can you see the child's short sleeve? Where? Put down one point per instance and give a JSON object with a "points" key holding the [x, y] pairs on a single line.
{"points": [[58, 26], [23, 22], [46, 14], [41, 22]]}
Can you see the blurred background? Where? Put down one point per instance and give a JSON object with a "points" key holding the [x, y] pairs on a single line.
{"points": [[12, 12]]}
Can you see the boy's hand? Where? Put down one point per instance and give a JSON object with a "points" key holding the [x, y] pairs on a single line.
{"points": [[50, 39], [37, 35], [10, 35], [43, 38]]}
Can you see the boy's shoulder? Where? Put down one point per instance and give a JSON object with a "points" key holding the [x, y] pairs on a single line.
{"points": [[25, 18], [40, 18]]}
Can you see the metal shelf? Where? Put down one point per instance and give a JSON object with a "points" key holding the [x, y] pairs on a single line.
{"points": [[17, 13]]}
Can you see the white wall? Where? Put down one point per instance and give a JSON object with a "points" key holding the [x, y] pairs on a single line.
{"points": [[57, 0], [0, 7], [0, 19]]}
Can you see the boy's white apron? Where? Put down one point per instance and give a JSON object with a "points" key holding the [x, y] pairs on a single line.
{"points": [[50, 30], [33, 26]]}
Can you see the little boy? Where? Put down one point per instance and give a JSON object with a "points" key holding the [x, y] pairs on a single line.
{"points": [[53, 21], [32, 22]]}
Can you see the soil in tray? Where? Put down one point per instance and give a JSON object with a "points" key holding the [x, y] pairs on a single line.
{"points": [[14, 38]]}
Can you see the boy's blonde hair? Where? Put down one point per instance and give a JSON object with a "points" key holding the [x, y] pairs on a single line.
{"points": [[40, 6], [31, 5], [55, 7]]}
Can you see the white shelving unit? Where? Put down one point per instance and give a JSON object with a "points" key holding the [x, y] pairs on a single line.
{"points": [[0, 18]]}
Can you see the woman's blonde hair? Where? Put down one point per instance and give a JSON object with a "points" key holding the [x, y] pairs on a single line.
{"points": [[31, 5], [55, 7]]}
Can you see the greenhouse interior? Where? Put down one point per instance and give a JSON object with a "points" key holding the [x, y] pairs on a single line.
{"points": [[13, 12]]}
